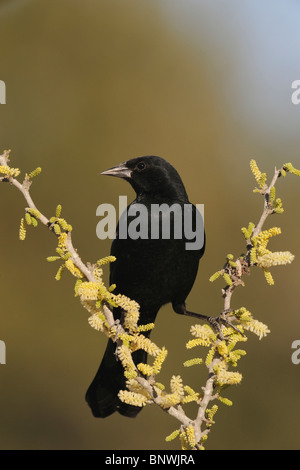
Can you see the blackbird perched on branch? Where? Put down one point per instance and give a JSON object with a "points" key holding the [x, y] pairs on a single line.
{"points": [[156, 264]]}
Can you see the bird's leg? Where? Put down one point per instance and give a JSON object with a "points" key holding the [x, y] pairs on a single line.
{"points": [[215, 322]]}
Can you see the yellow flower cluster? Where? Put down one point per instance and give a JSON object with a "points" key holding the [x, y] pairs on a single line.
{"points": [[132, 398], [89, 290], [131, 309], [274, 259], [31, 218], [34, 173], [264, 258], [289, 167], [258, 175], [73, 269], [8, 171], [191, 395], [192, 362], [257, 327], [250, 324], [210, 412], [97, 321], [106, 260], [124, 354], [22, 230]]}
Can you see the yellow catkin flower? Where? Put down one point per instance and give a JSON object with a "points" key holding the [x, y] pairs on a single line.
{"points": [[27, 218], [245, 233], [35, 172], [272, 194], [261, 240], [227, 279], [269, 277], [190, 435], [59, 273], [141, 342], [57, 229], [52, 258], [8, 171], [176, 385], [124, 354], [22, 230], [203, 331], [192, 343], [34, 221], [215, 276], [147, 327], [34, 212], [275, 259], [130, 373], [277, 206], [191, 395], [183, 441], [131, 319], [170, 399], [253, 256], [235, 355], [106, 260], [77, 285], [98, 273], [210, 356], [158, 361], [132, 398], [88, 290], [257, 327], [62, 240], [5, 170], [222, 348], [145, 369], [225, 401], [131, 307], [58, 211], [210, 412], [73, 269], [255, 170], [172, 436], [225, 377], [96, 322], [289, 167], [192, 362]]}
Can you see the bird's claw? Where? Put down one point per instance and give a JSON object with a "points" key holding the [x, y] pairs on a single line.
{"points": [[222, 319]]}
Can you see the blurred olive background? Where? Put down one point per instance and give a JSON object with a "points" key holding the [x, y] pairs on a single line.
{"points": [[204, 84]]}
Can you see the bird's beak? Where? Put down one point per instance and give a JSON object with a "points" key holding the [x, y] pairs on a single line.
{"points": [[122, 171]]}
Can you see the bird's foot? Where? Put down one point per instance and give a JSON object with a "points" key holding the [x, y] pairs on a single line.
{"points": [[222, 319], [216, 322]]}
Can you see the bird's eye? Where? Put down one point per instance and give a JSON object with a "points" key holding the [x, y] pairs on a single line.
{"points": [[141, 166]]}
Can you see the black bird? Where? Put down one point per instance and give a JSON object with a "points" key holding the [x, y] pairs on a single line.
{"points": [[153, 272]]}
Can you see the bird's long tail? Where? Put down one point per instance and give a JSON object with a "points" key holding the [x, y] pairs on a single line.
{"points": [[102, 394]]}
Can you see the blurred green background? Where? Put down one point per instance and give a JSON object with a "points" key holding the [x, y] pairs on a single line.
{"points": [[204, 84]]}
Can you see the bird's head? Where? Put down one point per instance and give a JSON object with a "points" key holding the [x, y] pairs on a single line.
{"points": [[150, 175]]}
